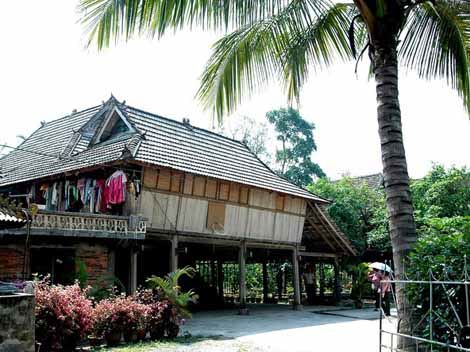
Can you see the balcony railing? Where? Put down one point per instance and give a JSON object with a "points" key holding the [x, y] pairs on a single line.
{"points": [[92, 225]]}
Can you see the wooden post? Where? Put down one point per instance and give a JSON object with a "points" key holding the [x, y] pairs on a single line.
{"points": [[173, 254], [337, 283], [296, 279], [322, 281], [220, 279], [265, 281], [241, 264], [133, 272], [314, 268]]}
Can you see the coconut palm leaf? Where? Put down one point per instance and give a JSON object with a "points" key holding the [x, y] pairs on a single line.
{"points": [[115, 19], [280, 47], [436, 44]]}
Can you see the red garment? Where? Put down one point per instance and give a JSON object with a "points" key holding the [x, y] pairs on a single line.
{"points": [[115, 191]]}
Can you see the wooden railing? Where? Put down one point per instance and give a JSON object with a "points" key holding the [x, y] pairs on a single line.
{"points": [[89, 223]]}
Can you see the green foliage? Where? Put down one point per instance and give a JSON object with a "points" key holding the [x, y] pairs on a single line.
{"points": [[358, 210], [441, 248], [170, 290], [360, 281], [297, 145], [442, 193], [81, 274]]}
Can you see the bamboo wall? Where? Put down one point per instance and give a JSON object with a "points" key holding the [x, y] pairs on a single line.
{"points": [[196, 204]]}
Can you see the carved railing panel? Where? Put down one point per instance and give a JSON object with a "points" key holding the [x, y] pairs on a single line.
{"points": [[88, 223]]}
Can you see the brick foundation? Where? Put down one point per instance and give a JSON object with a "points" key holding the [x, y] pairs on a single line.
{"points": [[95, 259], [11, 262]]}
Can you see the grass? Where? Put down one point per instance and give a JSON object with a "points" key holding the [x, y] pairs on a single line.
{"points": [[164, 345]]}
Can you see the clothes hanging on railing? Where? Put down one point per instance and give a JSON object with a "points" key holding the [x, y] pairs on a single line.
{"points": [[116, 188]]}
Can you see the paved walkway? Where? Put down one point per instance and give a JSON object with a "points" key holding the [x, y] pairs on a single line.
{"points": [[279, 328]]}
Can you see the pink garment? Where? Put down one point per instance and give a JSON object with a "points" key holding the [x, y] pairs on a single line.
{"points": [[375, 278], [115, 190]]}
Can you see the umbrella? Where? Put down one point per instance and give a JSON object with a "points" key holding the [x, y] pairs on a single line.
{"points": [[381, 266]]}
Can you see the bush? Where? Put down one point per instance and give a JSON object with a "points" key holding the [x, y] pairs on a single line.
{"points": [[441, 248], [119, 315], [64, 315]]}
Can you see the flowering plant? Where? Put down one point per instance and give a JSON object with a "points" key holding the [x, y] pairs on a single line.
{"points": [[120, 314], [64, 315]]}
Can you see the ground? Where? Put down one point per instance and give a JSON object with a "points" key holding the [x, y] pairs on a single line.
{"points": [[274, 329]]}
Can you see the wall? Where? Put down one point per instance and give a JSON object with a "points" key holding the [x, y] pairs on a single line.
{"points": [[95, 259], [11, 262], [17, 323], [190, 214]]}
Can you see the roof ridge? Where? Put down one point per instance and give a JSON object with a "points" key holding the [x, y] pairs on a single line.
{"points": [[183, 124]]}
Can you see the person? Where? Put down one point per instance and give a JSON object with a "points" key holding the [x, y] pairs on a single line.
{"points": [[309, 281], [385, 291], [375, 276]]}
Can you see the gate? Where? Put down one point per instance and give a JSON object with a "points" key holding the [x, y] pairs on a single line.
{"points": [[437, 312]]}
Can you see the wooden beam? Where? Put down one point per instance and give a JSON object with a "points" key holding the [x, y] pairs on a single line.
{"points": [[353, 252], [318, 255], [173, 254], [322, 221], [320, 233]]}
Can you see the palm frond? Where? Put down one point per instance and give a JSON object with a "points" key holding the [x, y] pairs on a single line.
{"points": [[248, 58], [116, 19], [316, 47], [436, 44]]}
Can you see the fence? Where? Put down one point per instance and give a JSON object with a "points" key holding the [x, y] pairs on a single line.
{"points": [[437, 314]]}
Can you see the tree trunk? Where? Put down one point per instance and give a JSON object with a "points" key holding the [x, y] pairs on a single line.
{"points": [[396, 180]]}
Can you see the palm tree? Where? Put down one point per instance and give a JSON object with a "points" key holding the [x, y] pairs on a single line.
{"points": [[284, 40]]}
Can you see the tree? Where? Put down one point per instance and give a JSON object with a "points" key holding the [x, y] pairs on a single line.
{"points": [[297, 145], [358, 210], [251, 133], [284, 39], [442, 193]]}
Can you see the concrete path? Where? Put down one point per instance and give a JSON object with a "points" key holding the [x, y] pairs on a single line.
{"points": [[279, 328]]}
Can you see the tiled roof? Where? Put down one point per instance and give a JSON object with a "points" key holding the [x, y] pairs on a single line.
{"points": [[54, 148]]}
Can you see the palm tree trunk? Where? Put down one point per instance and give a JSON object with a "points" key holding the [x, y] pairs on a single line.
{"points": [[396, 180]]}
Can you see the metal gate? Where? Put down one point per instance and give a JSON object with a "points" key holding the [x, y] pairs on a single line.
{"points": [[437, 313]]}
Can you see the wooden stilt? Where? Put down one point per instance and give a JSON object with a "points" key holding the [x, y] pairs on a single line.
{"points": [[337, 288], [241, 262], [265, 281], [173, 254], [220, 279], [133, 272], [296, 279], [322, 281]]}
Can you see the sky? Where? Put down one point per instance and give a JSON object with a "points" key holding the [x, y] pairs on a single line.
{"points": [[46, 71]]}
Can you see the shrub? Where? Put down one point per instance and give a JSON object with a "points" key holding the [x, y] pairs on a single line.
{"points": [[64, 315], [174, 306], [120, 314], [441, 248]]}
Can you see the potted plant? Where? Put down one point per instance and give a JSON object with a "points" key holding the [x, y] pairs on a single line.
{"points": [[175, 302], [360, 283]]}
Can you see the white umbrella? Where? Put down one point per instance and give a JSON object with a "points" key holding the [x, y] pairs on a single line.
{"points": [[381, 266]]}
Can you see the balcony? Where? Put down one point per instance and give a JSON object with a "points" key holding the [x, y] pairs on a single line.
{"points": [[85, 225]]}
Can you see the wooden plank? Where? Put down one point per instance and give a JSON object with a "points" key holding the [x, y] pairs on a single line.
{"points": [[164, 180], [199, 186], [216, 216], [211, 188], [150, 177], [234, 192], [244, 195], [318, 255], [188, 184], [176, 179], [224, 189], [280, 202]]}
